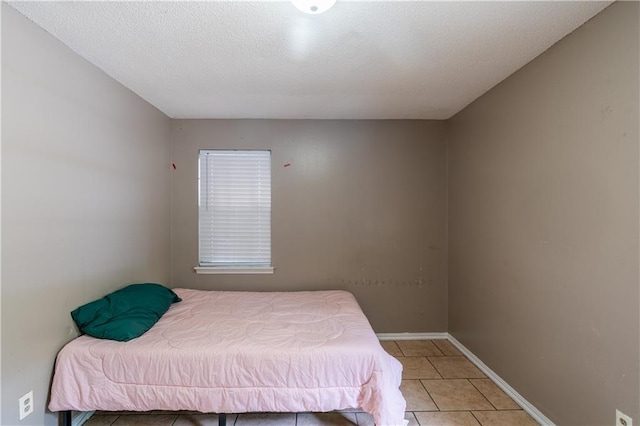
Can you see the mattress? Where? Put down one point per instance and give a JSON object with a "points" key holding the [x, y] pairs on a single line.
{"points": [[237, 352]]}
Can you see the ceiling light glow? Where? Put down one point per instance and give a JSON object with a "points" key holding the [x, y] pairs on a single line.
{"points": [[313, 7]]}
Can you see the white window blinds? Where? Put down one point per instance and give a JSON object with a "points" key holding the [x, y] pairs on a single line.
{"points": [[235, 208]]}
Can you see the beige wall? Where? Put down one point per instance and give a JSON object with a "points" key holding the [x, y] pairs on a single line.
{"points": [[85, 201], [543, 211], [362, 207]]}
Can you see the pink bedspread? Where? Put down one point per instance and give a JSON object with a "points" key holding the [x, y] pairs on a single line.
{"points": [[235, 352]]}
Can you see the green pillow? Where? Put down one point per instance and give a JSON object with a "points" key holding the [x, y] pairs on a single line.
{"points": [[125, 314]]}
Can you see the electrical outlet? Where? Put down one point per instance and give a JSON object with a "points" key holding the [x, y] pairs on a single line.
{"points": [[26, 405], [622, 419]]}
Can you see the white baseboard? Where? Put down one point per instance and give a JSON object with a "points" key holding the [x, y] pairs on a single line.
{"points": [[513, 394], [412, 336], [519, 399], [78, 418]]}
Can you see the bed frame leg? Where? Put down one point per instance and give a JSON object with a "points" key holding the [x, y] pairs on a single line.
{"points": [[66, 418], [222, 419]]}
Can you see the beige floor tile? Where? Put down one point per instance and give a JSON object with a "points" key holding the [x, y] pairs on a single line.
{"points": [[504, 418], [391, 347], [265, 419], [146, 420], [456, 394], [202, 420], [447, 348], [326, 419], [447, 418], [101, 420], [366, 419], [417, 367], [456, 367], [418, 348], [494, 394], [416, 396]]}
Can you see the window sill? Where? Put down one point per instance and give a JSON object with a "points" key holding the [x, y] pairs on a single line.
{"points": [[233, 270]]}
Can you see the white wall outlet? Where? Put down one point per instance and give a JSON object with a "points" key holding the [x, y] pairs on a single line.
{"points": [[622, 419], [26, 405]]}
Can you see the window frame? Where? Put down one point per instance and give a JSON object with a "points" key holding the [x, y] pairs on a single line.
{"points": [[233, 267]]}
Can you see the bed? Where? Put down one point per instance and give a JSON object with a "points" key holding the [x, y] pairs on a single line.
{"points": [[238, 352]]}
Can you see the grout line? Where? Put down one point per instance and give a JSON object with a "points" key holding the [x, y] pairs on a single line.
{"points": [[397, 346], [477, 419], [506, 388], [485, 396], [427, 391], [435, 368]]}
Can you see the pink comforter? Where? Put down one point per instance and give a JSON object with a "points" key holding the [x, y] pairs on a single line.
{"points": [[235, 352]]}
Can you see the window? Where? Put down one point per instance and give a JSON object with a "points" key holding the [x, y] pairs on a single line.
{"points": [[234, 211]]}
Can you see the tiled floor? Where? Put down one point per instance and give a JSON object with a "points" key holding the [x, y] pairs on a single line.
{"points": [[441, 387]]}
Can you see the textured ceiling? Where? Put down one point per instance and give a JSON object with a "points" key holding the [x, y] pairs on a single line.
{"points": [[266, 59]]}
